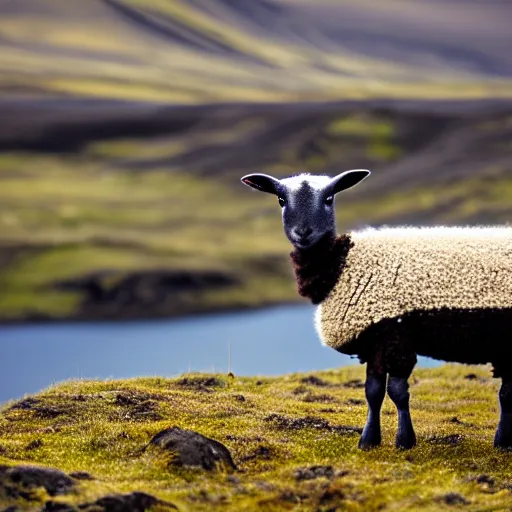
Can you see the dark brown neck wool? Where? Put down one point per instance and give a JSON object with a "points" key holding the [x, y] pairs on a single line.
{"points": [[318, 269]]}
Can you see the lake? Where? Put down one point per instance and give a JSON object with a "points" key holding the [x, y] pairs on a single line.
{"points": [[268, 341]]}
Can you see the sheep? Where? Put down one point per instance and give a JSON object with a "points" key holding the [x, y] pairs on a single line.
{"points": [[389, 294]]}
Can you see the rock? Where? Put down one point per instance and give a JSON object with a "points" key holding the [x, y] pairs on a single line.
{"points": [[193, 449], [53, 506], [81, 475], [454, 498], [133, 502], [485, 479], [20, 481]]}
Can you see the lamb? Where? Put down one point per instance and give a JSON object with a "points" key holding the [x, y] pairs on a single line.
{"points": [[387, 295]]}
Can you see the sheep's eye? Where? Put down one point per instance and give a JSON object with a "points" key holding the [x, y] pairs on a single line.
{"points": [[329, 200], [281, 200]]}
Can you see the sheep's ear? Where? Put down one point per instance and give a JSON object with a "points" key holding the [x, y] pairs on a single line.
{"points": [[348, 179], [262, 182]]}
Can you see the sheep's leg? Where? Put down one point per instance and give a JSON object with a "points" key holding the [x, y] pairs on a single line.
{"points": [[398, 391], [503, 437], [400, 368], [375, 390]]}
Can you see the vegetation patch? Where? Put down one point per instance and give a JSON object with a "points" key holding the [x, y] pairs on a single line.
{"points": [[286, 453]]}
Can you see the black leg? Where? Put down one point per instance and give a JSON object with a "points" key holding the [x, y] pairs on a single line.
{"points": [[503, 438], [398, 391], [375, 390]]}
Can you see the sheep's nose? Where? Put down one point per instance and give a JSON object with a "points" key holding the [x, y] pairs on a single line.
{"points": [[303, 232]]}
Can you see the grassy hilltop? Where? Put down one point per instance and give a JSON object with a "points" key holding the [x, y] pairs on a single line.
{"points": [[292, 439], [127, 124]]}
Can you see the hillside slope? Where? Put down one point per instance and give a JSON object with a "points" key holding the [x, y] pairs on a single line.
{"points": [[292, 438], [263, 50]]}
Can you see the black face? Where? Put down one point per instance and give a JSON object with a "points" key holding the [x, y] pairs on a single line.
{"points": [[308, 214], [307, 202]]}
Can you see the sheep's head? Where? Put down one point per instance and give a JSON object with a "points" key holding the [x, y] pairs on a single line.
{"points": [[307, 202]]}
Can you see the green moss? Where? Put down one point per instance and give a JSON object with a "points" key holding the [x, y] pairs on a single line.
{"points": [[361, 126], [91, 430]]}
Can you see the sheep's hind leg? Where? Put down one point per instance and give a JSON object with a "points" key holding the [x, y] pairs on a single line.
{"points": [[398, 391], [503, 437], [375, 390]]}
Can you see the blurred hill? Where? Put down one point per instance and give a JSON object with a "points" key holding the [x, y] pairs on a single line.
{"points": [[198, 51], [126, 125]]}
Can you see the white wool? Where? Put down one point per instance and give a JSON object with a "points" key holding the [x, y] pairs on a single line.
{"points": [[316, 182], [393, 271], [435, 232]]}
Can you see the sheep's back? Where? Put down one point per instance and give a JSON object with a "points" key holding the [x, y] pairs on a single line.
{"points": [[391, 272]]}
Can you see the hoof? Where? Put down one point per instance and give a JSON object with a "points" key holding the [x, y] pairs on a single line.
{"points": [[405, 441], [369, 441], [503, 443], [405, 444], [503, 437]]}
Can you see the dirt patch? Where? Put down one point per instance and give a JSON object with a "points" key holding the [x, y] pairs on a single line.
{"points": [[192, 449], [200, 383], [457, 421], [293, 496], [355, 401], [450, 440], [310, 422], [33, 445], [313, 472], [453, 498], [27, 404], [314, 381], [331, 496], [262, 453], [319, 398], [354, 384], [138, 407], [40, 409]]}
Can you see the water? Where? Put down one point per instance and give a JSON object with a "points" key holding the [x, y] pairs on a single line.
{"points": [[263, 342]]}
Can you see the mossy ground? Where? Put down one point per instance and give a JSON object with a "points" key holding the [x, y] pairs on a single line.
{"points": [[100, 428]]}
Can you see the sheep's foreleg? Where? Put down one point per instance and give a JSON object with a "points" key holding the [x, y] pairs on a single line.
{"points": [[398, 391], [503, 438], [375, 390]]}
